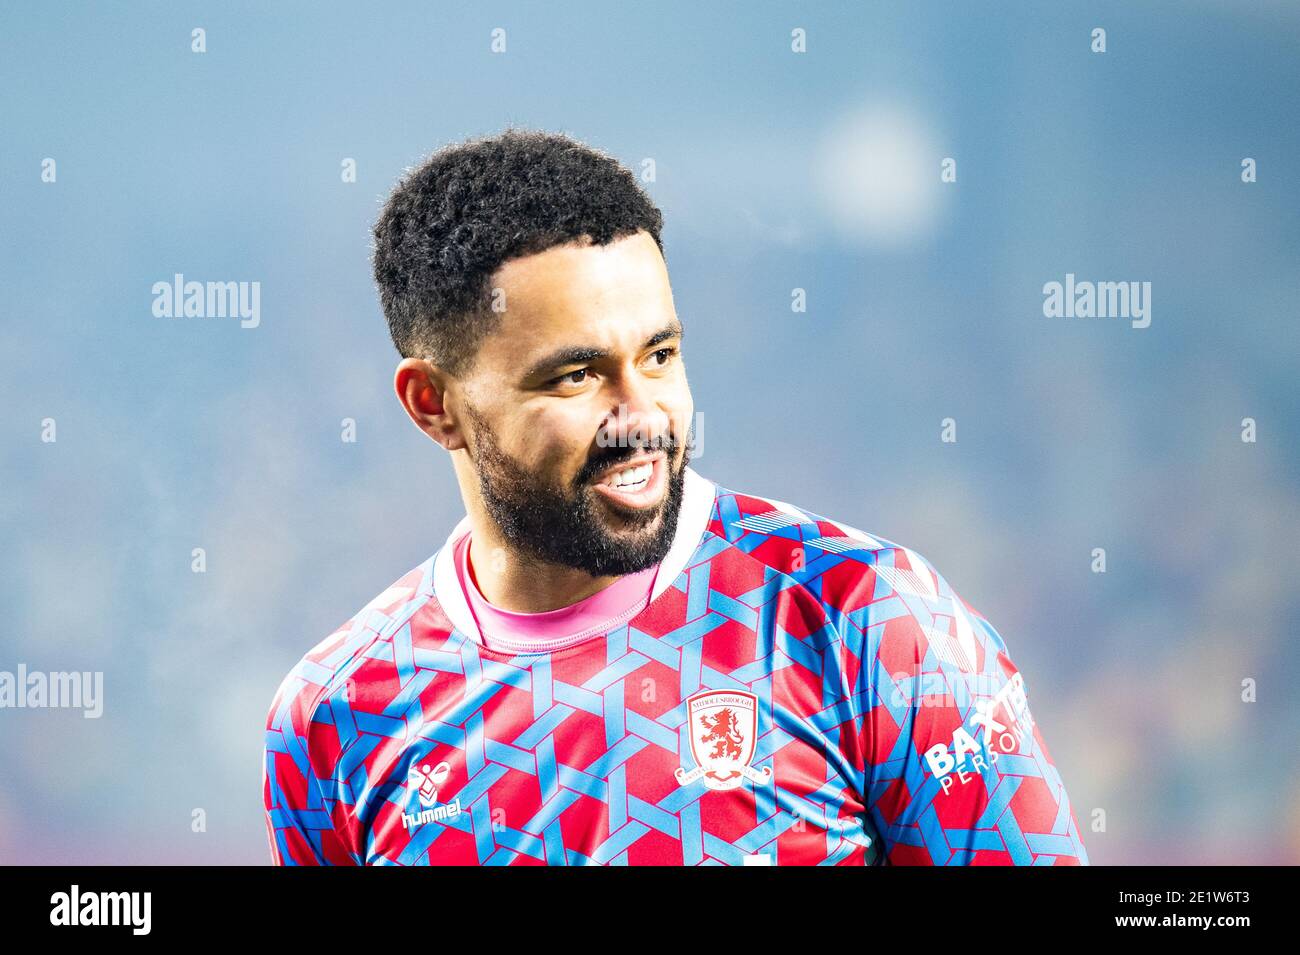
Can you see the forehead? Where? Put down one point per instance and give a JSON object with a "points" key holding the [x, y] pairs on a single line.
{"points": [[578, 294]]}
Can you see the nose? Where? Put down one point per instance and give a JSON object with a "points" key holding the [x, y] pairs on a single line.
{"points": [[636, 418]]}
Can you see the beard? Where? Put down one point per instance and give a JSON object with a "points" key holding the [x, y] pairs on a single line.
{"points": [[548, 522]]}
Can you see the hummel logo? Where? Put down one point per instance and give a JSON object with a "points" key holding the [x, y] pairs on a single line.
{"points": [[427, 781], [430, 780]]}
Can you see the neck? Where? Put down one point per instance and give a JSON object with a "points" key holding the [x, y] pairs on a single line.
{"points": [[520, 584], [505, 577]]}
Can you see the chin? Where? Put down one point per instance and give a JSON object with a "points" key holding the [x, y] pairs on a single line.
{"points": [[632, 517]]}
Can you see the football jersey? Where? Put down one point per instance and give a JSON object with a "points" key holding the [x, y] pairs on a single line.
{"points": [[796, 692]]}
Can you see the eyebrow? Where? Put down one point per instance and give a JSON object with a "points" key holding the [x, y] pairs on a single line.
{"points": [[579, 355]]}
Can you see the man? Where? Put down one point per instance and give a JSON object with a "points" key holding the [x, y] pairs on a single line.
{"points": [[611, 659]]}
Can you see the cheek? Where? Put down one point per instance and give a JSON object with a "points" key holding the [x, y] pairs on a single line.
{"points": [[681, 407], [556, 439]]}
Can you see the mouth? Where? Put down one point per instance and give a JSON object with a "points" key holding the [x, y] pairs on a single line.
{"points": [[637, 484]]}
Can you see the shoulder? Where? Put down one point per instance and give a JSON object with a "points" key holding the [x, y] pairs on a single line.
{"points": [[791, 539], [330, 668], [862, 579]]}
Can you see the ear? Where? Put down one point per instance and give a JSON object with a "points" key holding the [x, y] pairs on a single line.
{"points": [[429, 401], [422, 390]]}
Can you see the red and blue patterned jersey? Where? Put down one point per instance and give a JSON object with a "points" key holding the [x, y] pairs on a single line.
{"points": [[797, 692]]}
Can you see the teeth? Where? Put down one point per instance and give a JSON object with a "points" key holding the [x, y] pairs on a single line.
{"points": [[631, 477]]}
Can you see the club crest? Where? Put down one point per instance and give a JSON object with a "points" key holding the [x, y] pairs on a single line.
{"points": [[722, 725]]}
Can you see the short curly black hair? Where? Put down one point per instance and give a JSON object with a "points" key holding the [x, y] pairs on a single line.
{"points": [[451, 222]]}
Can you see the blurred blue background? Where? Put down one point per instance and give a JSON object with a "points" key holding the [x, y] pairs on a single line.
{"points": [[775, 170]]}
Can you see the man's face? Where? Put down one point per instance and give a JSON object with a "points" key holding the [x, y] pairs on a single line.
{"points": [[583, 380]]}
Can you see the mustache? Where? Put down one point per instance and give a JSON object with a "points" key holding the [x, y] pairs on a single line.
{"points": [[667, 443]]}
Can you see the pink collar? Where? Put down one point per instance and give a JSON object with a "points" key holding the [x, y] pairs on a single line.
{"points": [[699, 497], [510, 632]]}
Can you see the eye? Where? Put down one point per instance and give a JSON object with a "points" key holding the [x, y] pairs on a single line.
{"points": [[668, 354], [566, 378]]}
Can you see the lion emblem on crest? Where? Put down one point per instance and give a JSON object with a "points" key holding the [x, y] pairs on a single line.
{"points": [[723, 728]]}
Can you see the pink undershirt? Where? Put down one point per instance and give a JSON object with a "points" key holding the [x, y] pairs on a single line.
{"points": [[510, 632]]}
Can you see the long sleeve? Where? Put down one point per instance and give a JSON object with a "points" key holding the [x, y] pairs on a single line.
{"points": [[303, 826], [957, 769]]}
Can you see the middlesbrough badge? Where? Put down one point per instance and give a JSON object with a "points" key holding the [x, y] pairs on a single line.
{"points": [[722, 726]]}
